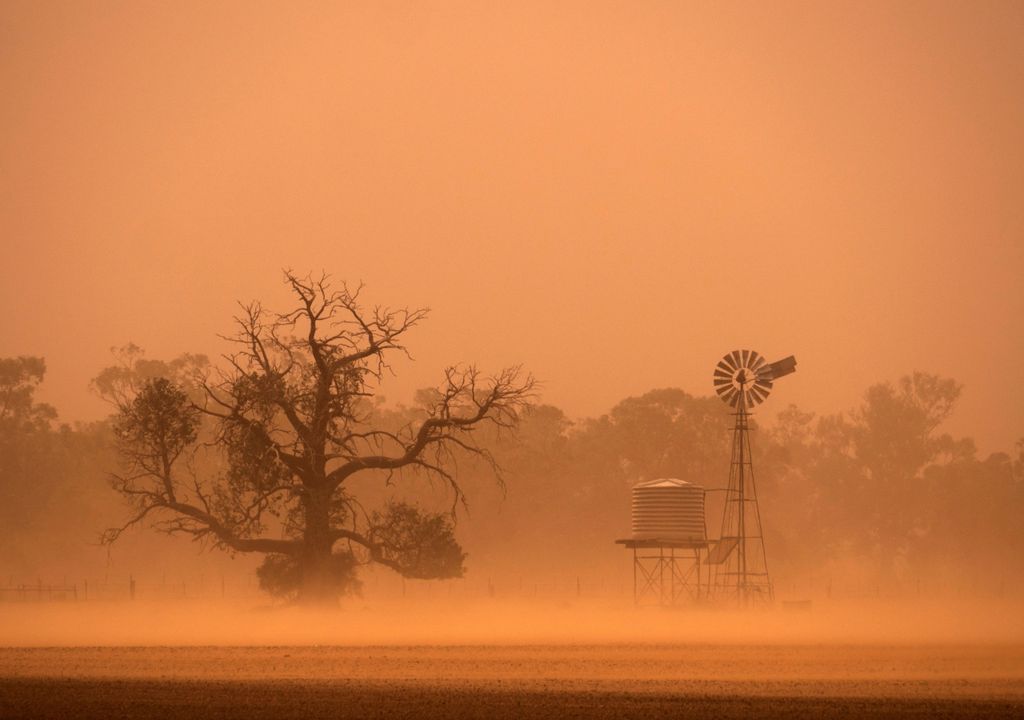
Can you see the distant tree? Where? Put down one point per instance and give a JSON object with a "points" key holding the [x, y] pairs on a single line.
{"points": [[868, 480], [119, 383], [46, 473], [19, 378], [572, 480], [28, 463], [541, 503], [966, 519], [895, 431], [292, 418]]}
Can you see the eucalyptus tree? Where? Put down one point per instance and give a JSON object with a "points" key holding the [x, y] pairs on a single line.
{"points": [[289, 413]]}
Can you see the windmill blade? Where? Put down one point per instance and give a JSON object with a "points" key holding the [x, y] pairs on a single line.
{"points": [[737, 359], [725, 365], [745, 355], [757, 394], [756, 361], [764, 386], [722, 374]]}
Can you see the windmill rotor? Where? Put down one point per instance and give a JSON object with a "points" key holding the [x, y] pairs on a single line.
{"points": [[744, 379]]}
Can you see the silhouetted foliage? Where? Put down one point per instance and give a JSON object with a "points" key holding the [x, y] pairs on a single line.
{"points": [[160, 423], [422, 545], [884, 488], [669, 433], [119, 383], [19, 378], [282, 575], [47, 503]]}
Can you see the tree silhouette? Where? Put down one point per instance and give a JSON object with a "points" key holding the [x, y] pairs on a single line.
{"points": [[291, 418]]}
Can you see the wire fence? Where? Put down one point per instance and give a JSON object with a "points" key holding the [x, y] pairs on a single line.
{"points": [[127, 588], [373, 587], [380, 585]]}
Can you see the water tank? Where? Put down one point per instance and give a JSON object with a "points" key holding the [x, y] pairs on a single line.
{"points": [[668, 509]]}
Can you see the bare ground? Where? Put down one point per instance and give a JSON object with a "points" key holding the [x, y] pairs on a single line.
{"points": [[555, 681], [53, 698]]}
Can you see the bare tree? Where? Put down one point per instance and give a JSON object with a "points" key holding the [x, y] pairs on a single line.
{"points": [[290, 412]]}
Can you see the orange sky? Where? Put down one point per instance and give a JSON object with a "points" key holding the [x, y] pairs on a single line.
{"points": [[614, 194]]}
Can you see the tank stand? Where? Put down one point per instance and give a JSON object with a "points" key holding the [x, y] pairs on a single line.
{"points": [[667, 573]]}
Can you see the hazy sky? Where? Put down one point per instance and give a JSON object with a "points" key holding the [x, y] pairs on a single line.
{"points": [[614, 194]]}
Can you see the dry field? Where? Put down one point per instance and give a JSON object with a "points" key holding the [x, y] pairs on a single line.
{"points": [[543, 681]]}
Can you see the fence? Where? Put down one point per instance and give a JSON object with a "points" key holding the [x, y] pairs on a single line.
{"points": [[377, 585], [39, 593], [127, 589]]}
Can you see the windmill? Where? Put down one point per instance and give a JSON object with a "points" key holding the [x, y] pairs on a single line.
{"points": [[743, 379]]}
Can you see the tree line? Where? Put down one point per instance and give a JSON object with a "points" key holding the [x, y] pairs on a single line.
{"points": [[284, 449]]}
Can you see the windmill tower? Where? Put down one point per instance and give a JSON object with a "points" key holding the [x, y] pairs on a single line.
{"points": [[743, 380]]}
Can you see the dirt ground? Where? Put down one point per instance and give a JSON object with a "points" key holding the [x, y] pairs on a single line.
{"points": [[553, 681]]}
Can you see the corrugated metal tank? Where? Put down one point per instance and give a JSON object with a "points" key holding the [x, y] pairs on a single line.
{"points": [[668, 509]]}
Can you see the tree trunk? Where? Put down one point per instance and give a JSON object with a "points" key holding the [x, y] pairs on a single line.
{"points": [[318, 586]]}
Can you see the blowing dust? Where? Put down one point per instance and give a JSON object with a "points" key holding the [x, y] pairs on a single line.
{"points": [[507, 622]]}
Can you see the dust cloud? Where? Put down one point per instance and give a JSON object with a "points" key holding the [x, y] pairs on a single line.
{"points": [[525, 622], [335, 337], [544, 177]]}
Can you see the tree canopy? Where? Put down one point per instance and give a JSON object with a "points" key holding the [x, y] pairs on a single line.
{"points": [[291, 417]]}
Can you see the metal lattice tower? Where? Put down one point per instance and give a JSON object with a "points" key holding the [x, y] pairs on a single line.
{"points": [[743, 379]]}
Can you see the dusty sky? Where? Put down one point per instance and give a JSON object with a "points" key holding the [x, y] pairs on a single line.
{"points": [[614, 194]]}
